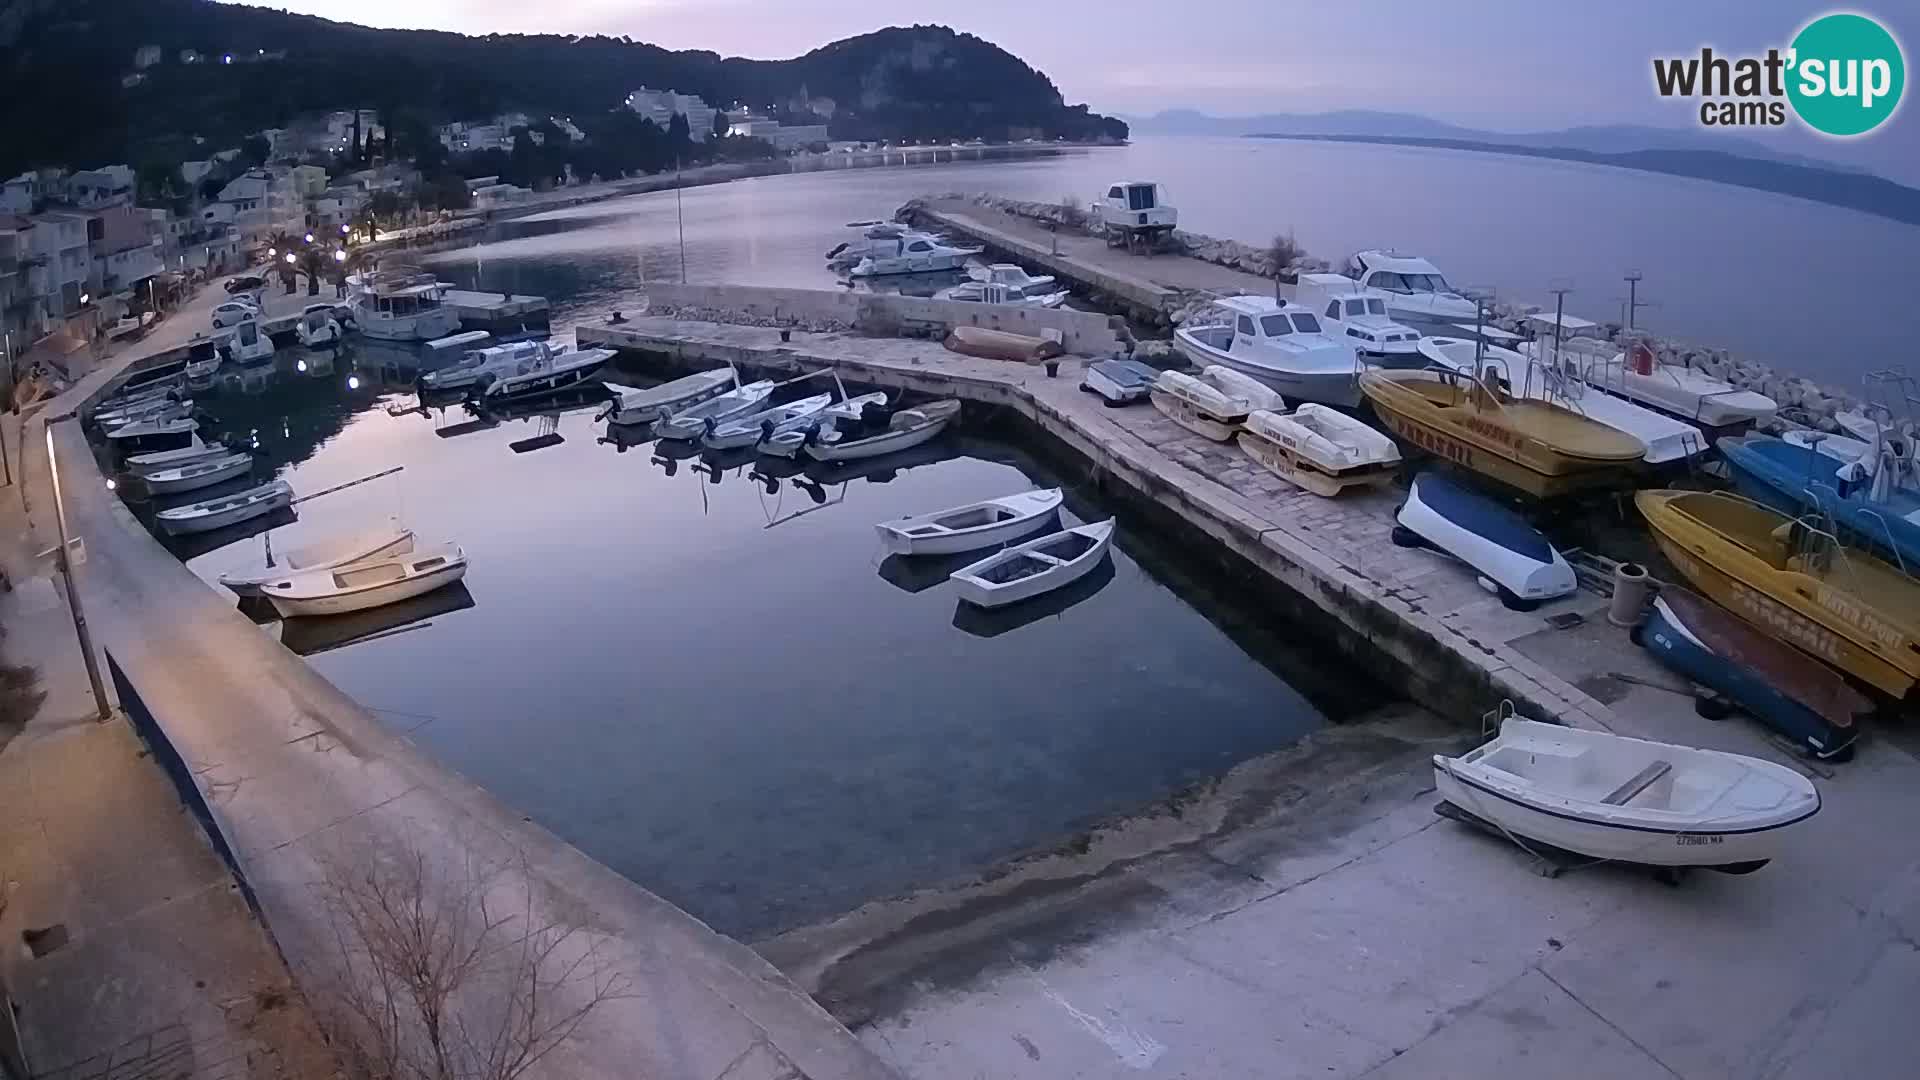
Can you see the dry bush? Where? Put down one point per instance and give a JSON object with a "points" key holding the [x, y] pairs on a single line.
{"points": [[440, 978], [1283, 252], [1072, 213]]}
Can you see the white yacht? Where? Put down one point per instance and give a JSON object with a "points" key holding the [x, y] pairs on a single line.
{"points": [[402, 303], [911, 253], [1417, 294], [547, 371], [1282, 345], [1349, 308]]}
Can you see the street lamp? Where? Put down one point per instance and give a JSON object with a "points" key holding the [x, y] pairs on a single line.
{"points": [[289, 258], [339, 256], [309, 238], [273, 253]]}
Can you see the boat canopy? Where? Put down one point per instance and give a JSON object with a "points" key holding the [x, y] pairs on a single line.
{"points": [[1566, 322]]}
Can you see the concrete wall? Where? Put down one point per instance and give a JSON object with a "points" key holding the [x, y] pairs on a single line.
{"points": [[1082, 333]]}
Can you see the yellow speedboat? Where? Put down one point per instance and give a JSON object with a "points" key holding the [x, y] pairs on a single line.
{"points": [[1532, 446], [1795, 582]]}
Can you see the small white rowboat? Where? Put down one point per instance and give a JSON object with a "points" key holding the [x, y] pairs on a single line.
{"points": [[147, 464], [210, 514], [906, 429], [199, 474], [750, 429], [1319, 449], [1201, 407], [327, 554], [633, 406], [370, 584], [971, 527], [1038, 566], [787, 443], [691, 423], [1628, 800]]}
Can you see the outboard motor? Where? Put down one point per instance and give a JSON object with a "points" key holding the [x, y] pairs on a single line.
{"points": [[766, 430], [873, 418]]}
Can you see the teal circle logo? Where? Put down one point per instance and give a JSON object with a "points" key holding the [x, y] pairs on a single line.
{"points": [[1847, 74]]}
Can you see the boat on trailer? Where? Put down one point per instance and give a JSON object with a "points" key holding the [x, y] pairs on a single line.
{"points": [[217, 513], [1036, 567], [367, 584], [1282, 345], [326, 554], [1319, 449], [973, 526], [1522, 567], [1618, 799]]}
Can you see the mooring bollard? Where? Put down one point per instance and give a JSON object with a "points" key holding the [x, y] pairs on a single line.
{"points": [[1053, 368], [1630, 587]]}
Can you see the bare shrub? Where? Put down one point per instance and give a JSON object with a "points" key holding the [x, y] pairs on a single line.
{"points": [[1072, 213], [443, 974], [1283, 252]]}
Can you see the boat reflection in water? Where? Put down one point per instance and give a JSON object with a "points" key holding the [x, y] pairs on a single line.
{"points": [[193, 545], [310, 635]]}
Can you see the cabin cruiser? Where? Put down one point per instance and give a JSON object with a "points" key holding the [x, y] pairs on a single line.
{"points": [[1282, 345], [911, 253], [402, 303], [479, 367], [317, 327], [1417, 294], [1349, 308], [992, 292], [873, 235]]}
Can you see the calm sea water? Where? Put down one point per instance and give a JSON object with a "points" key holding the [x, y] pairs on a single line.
{"points": [[710, 678], [1809, 288]]}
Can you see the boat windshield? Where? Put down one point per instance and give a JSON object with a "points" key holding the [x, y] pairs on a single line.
{"points": [[1306, 323], [1275, 325], [1376, 307], [1429, 283]]}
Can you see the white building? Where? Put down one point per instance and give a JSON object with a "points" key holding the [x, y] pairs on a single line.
{"points": [[60, 248], [785, 138], [107, 186], [660, 106], [259, 204], [146, 56], [195, 171]]}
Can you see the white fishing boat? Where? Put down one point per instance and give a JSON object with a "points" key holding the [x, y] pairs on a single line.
{"points": [[1417, 294], [1515, 561], [1626, 800], [875, 237], [1201, 405], [751, 428], [401, 303], [326, 554], [154, 431], [150, 409], [367, 584], [1639, 377], [910, 253], [973, 526], [987, 292], [480, 367], [691, 422], [906, 428], [1319, 449], [195, 450], [1119, 382], [633, 405], [158, 391], [210, 514], [1282, 345], [1351, 310], [195, 475], [317, 327], [246, 344], [1038, 566], [546, 373], [788, 443], [201, 373]]}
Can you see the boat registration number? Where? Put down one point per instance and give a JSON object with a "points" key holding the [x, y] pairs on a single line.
{"points": [[1691, 839]]}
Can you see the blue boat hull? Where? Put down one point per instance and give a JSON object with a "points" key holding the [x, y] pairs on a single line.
{"points": [[1796, 480], [1683, 653]]}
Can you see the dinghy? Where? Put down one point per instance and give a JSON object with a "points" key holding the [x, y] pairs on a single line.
{"points": [[326, 554], [1627, 800], [198, 474], [154, 434], [1319, 449], [158, 413], [368, 584], [1119, 382], [1038, 566], [787, 444], [210, 514], [971, 527], [1512, 556], [905, 429], [1201, 407], [748, 430], [633, 406], [143, 464], [691, 422], [1804, 700]]}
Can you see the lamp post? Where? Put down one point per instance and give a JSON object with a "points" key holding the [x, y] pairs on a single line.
{"points": [[73, 595]]}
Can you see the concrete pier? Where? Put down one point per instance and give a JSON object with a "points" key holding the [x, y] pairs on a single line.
{"points": [[497, 312]]}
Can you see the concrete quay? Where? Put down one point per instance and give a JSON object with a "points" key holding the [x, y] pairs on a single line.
{"points": [[497, 313], [1308, 915]]}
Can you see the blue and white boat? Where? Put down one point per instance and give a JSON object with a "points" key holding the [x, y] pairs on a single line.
{"points": [[1120, 382], [1512, 557], [1866, 498], [1807, 702]]}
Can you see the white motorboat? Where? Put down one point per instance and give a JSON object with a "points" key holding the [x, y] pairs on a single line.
{"points": [[195, 475], [201, 373], [691, 422], [1639, 377], [1038, 566], [210, 514], [875, 237], [317, 327], [1466, 356], [633, 405], [546, 373], [367, 584], [906, 428], [1282, 345], [910, 253], [973, 526], [1119, 382], [401, 303], [1319, 449], [1013, 276], [788, 443], [1841, 448], [480, 367], [1864, 428], [1417, 294], [1626, 800], [1350, 309], [987, 292], [1515, 561], [142, 431], [161, 390], [751, 428], [151, 408], [195, 450], [1200, 406], [1668, 438], [326, 554], [246, 344]]}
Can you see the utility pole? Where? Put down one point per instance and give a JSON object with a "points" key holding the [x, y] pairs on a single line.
{"points": [[73, 595], [681, 216], [1559, 291], [1633, 278]]}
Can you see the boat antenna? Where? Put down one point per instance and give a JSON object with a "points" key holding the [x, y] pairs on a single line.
{"points": [[1633, 278]]}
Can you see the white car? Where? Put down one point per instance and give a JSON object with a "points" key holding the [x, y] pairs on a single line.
{"points": [[234, 312]]}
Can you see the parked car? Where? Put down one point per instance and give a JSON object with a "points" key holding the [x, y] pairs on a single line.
{"points": [[235, 312], [245, 283]]}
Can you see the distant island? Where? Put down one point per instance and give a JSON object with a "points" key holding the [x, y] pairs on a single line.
{"points": [[1851, 190]]}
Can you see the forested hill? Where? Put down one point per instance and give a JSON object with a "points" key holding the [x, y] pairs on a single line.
{"points": [[64, 63]]}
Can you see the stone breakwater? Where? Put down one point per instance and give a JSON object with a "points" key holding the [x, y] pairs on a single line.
{"points": [[1804, 403]]}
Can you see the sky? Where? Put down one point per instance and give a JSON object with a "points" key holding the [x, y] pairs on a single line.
{"points": [[1501, 64]]}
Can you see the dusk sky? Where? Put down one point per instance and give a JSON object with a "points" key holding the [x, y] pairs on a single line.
{"points": [[1500, 64]]}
